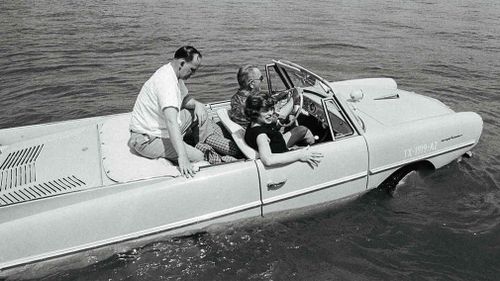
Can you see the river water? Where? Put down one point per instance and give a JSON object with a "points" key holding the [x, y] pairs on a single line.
{"points": [[73, 59]]}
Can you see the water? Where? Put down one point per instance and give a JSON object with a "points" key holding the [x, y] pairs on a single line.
{"points": [[73, 59]]}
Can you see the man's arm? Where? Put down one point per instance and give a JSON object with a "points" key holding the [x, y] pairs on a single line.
{"points": [[200, 112], [174, 132]]}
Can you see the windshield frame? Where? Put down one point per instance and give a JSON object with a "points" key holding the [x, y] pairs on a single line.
{"points": [[282, 67]]}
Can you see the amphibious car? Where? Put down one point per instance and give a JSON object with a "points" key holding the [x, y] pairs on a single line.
{"points": [[75, 185]]}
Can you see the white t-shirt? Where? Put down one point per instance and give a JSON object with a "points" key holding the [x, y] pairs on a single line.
{"points": [[162, 90]]}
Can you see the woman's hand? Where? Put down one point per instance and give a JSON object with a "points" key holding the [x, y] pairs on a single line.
{"points": [[312, 158]]}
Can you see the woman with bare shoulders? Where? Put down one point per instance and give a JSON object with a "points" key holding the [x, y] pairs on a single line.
{"points": [[262, 135]]}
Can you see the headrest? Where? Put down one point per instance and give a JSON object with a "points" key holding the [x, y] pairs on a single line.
{"points": [[238, 134]]}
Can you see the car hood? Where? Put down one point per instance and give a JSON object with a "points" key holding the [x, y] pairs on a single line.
{"points": [[394, 106]]}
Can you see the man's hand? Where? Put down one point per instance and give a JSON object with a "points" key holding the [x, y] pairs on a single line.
{"points": [[200, 113], [286, 123], [199, 109], [185, 167], [174, 132]]}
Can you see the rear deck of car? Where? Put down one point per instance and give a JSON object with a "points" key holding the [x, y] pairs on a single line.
{"points": [[38, 162]]}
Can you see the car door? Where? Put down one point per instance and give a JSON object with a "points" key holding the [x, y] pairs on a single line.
{"points": [[341, 173]]}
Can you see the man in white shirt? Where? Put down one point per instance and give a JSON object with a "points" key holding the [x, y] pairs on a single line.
{"points": [[164, 112]]}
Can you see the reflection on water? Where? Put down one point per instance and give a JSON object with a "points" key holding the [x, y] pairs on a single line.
{"points": [[65, 59]]}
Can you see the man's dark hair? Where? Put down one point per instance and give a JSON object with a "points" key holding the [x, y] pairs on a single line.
{"points": [[187, 53]]}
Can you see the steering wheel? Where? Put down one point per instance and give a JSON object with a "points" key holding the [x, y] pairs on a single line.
{"points": [[289, 103]]}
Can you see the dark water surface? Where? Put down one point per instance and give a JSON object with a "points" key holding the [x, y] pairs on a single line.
{"points": [[73, 59]]}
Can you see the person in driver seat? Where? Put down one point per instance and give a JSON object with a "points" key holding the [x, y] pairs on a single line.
{"points": [[250, 79], [263, 136]]}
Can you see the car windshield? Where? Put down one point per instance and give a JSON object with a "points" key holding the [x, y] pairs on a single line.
{"points": [[285, 75], [286, 78]]}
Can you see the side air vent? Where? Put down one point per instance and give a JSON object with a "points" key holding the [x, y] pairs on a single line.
{"points": [[41, 190], [19, 168]]}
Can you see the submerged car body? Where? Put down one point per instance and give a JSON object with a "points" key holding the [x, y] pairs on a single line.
{"points": [[75, 185]]}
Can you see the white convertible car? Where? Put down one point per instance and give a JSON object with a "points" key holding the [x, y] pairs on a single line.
{"points": [[74, 185]]}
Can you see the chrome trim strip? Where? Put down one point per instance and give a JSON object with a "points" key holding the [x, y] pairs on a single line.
{"points": [[99, 151], [315, 188], [131, 236], [408, 161]]}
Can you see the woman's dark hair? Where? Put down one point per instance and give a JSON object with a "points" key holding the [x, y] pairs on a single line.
{"points": [[187, 53], [256, 103]]}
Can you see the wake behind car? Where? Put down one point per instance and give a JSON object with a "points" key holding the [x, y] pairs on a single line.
{"points": [[75, 185]]}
